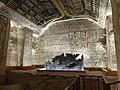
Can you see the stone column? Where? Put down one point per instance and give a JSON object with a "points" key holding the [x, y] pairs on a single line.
{"points": [[4, 33], [27, 52], [116, 27], [111, 53]]}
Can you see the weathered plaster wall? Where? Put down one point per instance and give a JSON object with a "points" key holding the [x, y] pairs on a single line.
{"points": [[38, 51], [27, 54], [15, 47], [4, 33], [74, 36], [19, 46], [103, 12], [116, 28], [111, 52]]}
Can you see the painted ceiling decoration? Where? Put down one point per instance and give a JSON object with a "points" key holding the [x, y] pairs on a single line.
{"points": [[41, 12], [20, 20], [37, 11], [76, 8]]}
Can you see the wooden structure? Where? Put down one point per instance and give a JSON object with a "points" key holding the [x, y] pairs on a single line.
{"points": [[83, 81]]}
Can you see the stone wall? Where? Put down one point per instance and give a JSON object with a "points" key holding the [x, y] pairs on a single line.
{"points": [[81, 36], [4, 33], [75, 36], [38, 51], [15, 47], [111, 52], [19, 47], [103, 12], [27, 54], [116, 28]]}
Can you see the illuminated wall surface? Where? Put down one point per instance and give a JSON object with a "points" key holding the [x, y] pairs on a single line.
{"points": [[76, 36], [111, 52], [15, 47]]}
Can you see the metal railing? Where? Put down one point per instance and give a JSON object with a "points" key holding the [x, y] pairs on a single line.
{"points": [[114, 85], [75, 85], [91, 82], [84, 82]]}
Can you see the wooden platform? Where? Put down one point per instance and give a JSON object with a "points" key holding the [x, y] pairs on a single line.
{"points": [[87, 70]]}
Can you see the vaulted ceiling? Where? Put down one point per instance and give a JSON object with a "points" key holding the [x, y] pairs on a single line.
{"points": [[41, 12]]}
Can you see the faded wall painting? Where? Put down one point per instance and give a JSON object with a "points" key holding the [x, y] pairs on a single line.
{"points": [[27, 54], [19, 46], [111, 52], [80, 36], [103, 12], [77, 37], [38, 50], [4, 33], [15, 47]]}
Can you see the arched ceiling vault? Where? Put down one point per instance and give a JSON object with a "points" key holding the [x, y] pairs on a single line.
{"points": [[41, 12]]}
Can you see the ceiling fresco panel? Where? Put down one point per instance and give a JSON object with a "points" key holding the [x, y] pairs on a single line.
{"points": [[44, 9], [41, 12]]}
